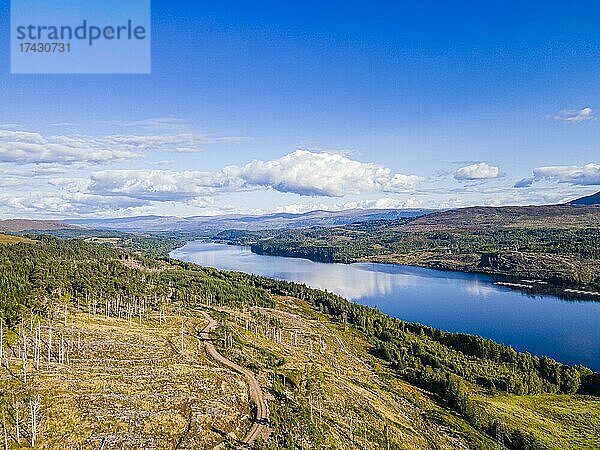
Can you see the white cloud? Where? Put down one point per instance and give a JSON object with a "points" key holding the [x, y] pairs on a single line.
{"points": [[379, 203], [324, 174], [384, 203], [22, 136], [301, 172], [575, 115], [21, 147], [299, 208], [161, 185], [33, 171], [157, 123], [69, 203], [169, 141], [479, 171], [587, 175]]}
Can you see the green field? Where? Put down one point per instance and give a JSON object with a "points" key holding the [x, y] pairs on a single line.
{"points": [[557, 421]]}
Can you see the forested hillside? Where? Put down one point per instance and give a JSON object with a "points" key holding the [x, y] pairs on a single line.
{"points": [[87, 286], [556, 243]]}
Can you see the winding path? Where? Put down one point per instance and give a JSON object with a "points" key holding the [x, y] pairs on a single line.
{"points": [[260, 425]]}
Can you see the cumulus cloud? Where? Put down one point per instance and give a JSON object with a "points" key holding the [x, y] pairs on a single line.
{"points": [[301, 172], [587, 175], [324, 174], [50, 159], [479, 171], [575, 115]]}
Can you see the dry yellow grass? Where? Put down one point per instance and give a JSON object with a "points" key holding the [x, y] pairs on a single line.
{"points": [[128, 386], [357, 395], [8, 239], [354, 396]]}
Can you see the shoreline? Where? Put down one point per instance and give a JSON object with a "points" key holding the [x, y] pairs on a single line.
{"points": [[565, 291], [490, 281]]}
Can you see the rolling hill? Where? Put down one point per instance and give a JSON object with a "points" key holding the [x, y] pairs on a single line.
{"points": [[557, 243], [18, 225], [246, 222], [488, 218], [593, 199]]}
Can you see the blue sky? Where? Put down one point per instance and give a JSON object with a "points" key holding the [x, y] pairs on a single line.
{"points": [[288, 106]]}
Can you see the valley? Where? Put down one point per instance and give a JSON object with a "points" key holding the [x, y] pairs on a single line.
{"points": [[560, 244], [126, 369]]}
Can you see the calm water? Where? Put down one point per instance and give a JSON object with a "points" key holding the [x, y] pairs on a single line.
{"points": [[542, 324]]}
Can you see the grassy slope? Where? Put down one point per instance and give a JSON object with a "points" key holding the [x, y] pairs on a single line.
{"points": [[355, 399], [129, 386], [560, 421], [8, 239], [351, 382]]}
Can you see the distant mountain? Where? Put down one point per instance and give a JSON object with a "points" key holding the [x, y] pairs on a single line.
{"points": [[593, 199], [246, 222], [17, 225], [489, 218]]}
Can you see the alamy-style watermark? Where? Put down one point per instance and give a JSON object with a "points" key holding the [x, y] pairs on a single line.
{"points": [[80, 36]]}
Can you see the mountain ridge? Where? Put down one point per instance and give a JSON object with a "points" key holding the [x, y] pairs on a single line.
{"points": [[246, 221], [481, 217], [588, 200]]}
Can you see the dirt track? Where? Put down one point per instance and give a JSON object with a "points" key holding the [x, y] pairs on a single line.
{"points": [[260, 425]]}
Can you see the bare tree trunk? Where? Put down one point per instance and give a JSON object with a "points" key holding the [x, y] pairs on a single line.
{"points": [[182, 343], [24, 360], [38, 346], [387, 436], [34, 406], [49, 344]]}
